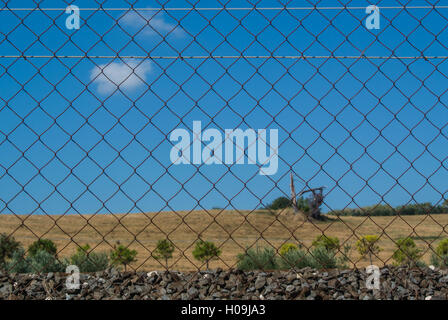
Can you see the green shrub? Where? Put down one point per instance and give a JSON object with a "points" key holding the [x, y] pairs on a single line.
{"points": [[164, 250], [18, 262], [324, 259], [40, 262], [44, 262], [122, 255], [440, 257], [257, 259], [442, 247], [407, 252], [280, 203], [367, 245], [319, 258], [283, 203], [286, 247], [205, 251], [266, 259], [42, 245], [8, 245], [439, 261], [329, 243], [89, 261], [295, 259]]}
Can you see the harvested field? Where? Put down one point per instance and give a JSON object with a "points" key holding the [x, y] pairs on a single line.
{"points": [[233, 231]]}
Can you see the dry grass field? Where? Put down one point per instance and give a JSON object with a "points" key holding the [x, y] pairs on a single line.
{"points": [[233, 231]]}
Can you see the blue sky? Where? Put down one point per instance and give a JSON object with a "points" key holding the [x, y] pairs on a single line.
{"points": [[370, 130]]}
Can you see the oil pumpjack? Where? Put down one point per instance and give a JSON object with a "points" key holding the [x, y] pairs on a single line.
{"points": [[315, 201]]}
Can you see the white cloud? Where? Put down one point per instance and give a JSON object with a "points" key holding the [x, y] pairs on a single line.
{"points": [[150, 23], [126, 75]]}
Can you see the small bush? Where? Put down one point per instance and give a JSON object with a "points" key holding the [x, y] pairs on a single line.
{"points": [[319, 258], [257, 259], [205, 251], [439, 261], [8, 245], [280, 203], [285, 248], [329, 243], [440, 257], [442, 247], [122, 255], [42, 245], [324, 259], [164, 250], [407, 252], [367, 245], [40, 262], [44, 262], [295, 259], [89, 261], [18, 262]]}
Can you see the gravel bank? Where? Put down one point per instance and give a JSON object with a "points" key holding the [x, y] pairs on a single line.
{"points": [[395, 283]]}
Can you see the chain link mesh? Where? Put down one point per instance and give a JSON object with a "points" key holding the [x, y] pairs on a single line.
{"points": [[86, 117]]}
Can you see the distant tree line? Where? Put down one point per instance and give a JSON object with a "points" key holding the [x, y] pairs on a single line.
{"points": [[387, 210], [374, 210]]}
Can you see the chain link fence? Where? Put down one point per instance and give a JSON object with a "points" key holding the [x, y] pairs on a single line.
{"points": [[280, 134]]}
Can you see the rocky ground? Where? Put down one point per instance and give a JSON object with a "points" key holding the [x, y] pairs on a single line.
{"points": [[395, 283]]}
